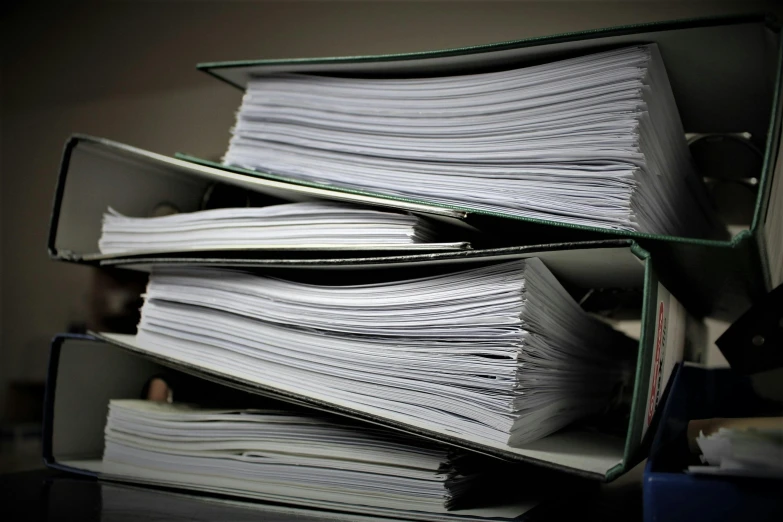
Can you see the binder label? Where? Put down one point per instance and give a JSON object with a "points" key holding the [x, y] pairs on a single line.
{"points": [[655, 380], [668, 347]]}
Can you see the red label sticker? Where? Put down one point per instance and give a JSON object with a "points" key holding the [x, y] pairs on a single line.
{"points": [[656, 366]]}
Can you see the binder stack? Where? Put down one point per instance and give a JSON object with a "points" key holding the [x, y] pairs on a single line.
{"points": [[415, 276]]}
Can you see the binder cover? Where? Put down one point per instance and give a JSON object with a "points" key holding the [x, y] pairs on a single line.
{"points": [[726, 77], [602, 265], [75, 411], [97, 173]]}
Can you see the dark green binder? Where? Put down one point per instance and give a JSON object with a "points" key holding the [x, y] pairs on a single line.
{"points": [[597, 454], [726, 76]]}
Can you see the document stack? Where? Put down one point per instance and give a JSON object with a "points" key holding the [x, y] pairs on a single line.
{"points": [[594, 140], [443, 248], [288, 456], [324, 225], [500, 353]]}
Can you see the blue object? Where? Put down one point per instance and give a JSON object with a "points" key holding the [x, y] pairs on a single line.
{"points": [[672, 495]]}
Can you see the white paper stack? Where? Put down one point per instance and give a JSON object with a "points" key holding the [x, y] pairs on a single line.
{"points": [[741, 452], [308, 224], [500, 354], [285, 456], [594, 140]]}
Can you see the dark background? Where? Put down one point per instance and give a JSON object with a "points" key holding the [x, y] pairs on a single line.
{"points": [[125, 71]]}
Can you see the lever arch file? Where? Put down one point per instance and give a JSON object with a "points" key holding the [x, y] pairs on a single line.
{"points": [[278, 469], [615, 268], [100, 177], [725, 77]]}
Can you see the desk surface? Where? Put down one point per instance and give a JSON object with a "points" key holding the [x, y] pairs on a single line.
{"points": [[45, 495]]}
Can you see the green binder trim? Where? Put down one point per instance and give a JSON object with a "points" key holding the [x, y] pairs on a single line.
{"points": [[643, 363]]}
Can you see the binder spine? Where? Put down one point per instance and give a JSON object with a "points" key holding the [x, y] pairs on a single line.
{"points": [[59, 191], [49, 399]]}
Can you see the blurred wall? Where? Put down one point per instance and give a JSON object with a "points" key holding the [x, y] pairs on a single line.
{"points": [[125, 70]]}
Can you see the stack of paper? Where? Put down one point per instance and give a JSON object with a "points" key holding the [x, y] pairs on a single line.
{"points": [[309, 225], [742, 452], [594, 140], [500, 354], [283, 456]]}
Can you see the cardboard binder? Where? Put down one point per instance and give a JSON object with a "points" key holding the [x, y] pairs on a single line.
{"points": [[613, 265], [97, 173], [726, 78]]}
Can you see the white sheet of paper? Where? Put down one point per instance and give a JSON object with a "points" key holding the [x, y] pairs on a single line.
{"points": [[286, 456]]}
